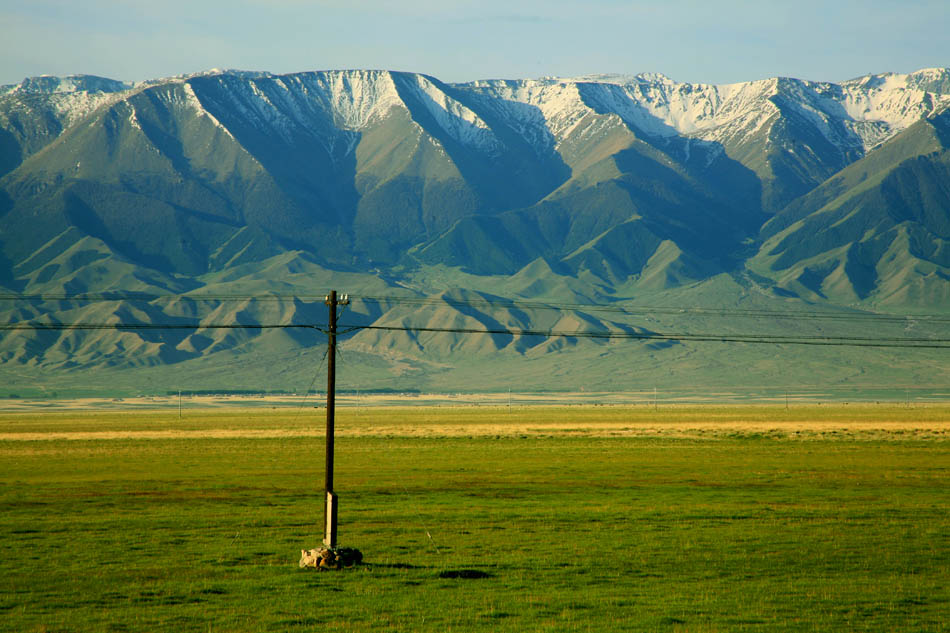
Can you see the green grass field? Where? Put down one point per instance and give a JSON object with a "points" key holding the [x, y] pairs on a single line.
{"points": [[572, 519]]}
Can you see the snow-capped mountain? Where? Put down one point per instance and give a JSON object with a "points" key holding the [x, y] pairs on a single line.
{"points": [[870, 109], [617, 183], [833, 124]]}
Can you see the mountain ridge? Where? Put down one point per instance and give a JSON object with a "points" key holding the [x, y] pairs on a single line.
{"points": [[593, 189]]}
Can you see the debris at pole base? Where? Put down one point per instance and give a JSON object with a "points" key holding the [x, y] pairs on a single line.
{"points": [[322, 558]]}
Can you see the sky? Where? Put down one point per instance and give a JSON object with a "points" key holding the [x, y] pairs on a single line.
{"points": [[711, 41]]}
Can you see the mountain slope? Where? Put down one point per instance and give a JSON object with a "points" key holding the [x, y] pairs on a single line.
{"points": [[877, 231], [264, 190]]}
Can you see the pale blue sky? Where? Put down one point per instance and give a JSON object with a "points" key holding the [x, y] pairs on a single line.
{"points": [[460, 40]]}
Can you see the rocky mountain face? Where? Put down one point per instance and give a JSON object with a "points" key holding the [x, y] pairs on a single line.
{"points": [[600, 188]]}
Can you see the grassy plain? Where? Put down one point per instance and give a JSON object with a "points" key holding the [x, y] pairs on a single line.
{"points": [[735, 518]]}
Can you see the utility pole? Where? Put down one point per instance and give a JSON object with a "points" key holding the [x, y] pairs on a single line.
{"points": [[330, 509]]}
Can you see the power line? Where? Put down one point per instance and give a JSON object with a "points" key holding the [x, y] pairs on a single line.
{"points": [[491, 303], [855, 341], [852, 341], [926, 343], [91, 297], [654, 310], [158, 326]]}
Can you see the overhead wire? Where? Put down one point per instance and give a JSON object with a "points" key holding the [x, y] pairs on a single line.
{"points": [[91, 297], [343, 329], [852, 341], [639, 310], [632, 310], [32, 325], [786, 339], [313, 382]]}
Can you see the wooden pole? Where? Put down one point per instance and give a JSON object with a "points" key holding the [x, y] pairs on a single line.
{"points": [[330, 507]]}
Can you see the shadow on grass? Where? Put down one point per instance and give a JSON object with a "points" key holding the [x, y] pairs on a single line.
{"points": [[465, 574], [392, 566]]}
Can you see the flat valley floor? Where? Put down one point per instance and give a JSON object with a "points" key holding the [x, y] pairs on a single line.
{"points": [[643, 517]]}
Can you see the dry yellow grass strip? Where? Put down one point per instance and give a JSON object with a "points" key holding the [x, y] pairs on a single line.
{"points": [[867, 421], [161, 435]]}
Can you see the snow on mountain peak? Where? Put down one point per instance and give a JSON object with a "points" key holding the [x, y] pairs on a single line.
{"points": [[50, 84], [656, 78], [463, 124], [330, 106], [354, 98], [859, 113], [543, 111], [621, 79]]}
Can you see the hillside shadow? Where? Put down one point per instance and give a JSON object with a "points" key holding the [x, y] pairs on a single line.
{"points": [[314, 166], [7, 277], [506, 174], [11, 155], [734, 184], [941, 125], [6, 203]]}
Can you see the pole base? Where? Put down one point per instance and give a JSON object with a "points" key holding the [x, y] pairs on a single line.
{"points": [[325, 558], [330, 521]]}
